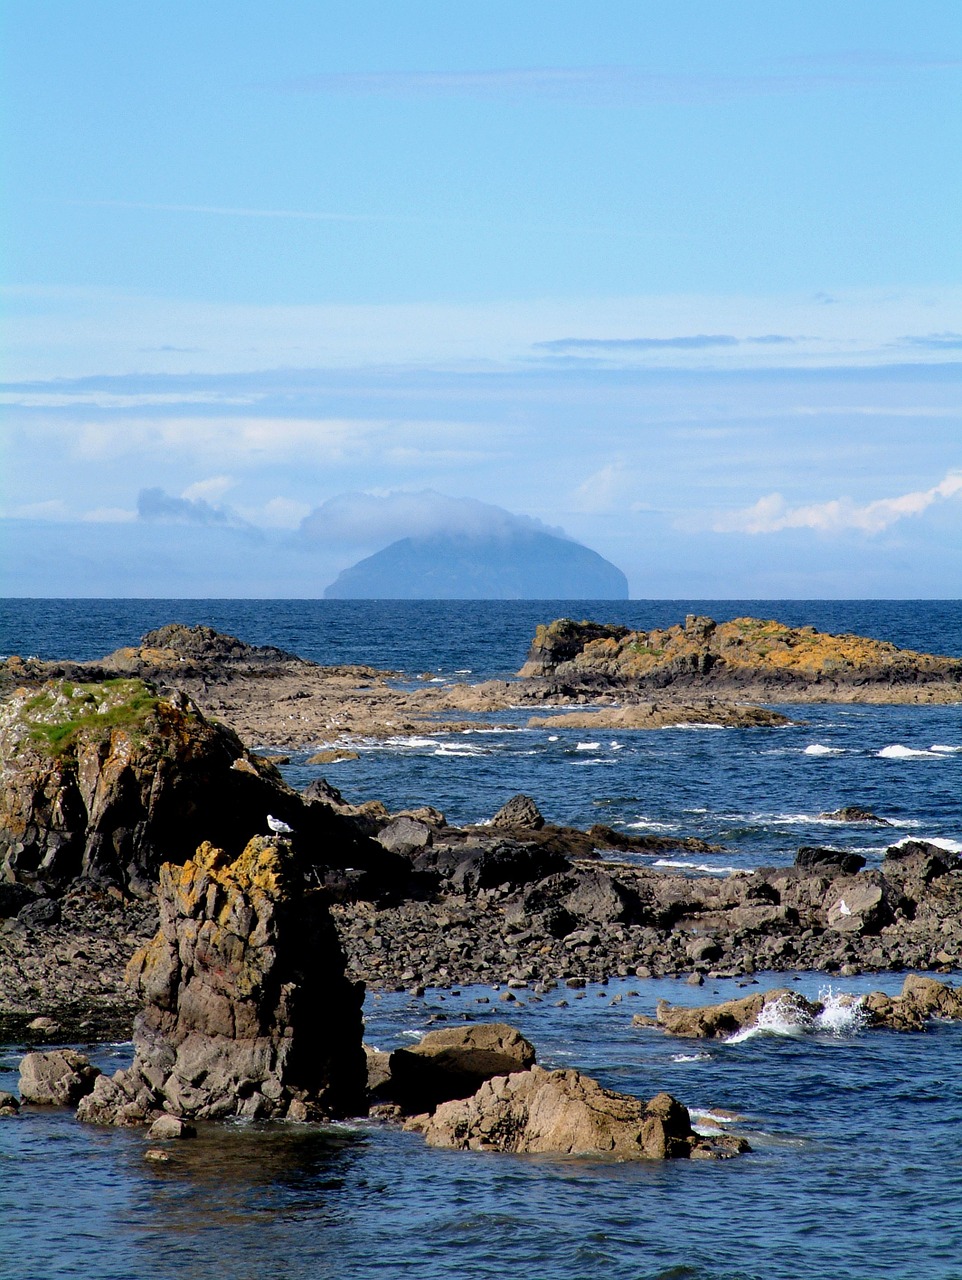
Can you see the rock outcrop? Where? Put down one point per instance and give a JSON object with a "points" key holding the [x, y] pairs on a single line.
{"points": [[747, 655], [106, 780], [248, 1010], [921, 1000], [568, 1113]]}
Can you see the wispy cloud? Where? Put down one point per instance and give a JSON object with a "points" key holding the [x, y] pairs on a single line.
{"points": [[155, 504], [683, 342], [772, 514], [622, 86], [935, 341], [376, 519]]}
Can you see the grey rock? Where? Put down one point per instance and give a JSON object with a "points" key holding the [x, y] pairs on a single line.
{"points": [[58, 1078], [519, 811]]}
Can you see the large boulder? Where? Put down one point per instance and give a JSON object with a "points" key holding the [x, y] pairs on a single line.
{"points": [[57, 1078], [567, 1113], [858, 905], [452, 1063], [248, 1008], [519, 811], [830, 862], [106, 780]]}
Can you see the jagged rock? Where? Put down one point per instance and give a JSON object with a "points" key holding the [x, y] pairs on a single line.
{"points": [[920, 999], [829, 861], [39, 914], [567, 1113], [405, 835], [738, 655], [506, 862], [519, 811], [106, 780], [600, 898], [854, 813], [719, 1021], [57, 1078], [248, 1011], [858, 906]]}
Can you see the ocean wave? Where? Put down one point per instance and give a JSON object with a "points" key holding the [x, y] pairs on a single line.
{"points": [[693, 866], [693, 1057], [692, 724], [944, 750], [841, 1014], [588, 746], [649, 824], [940, 842], [897, 752], [819, 749], [461, 751]]}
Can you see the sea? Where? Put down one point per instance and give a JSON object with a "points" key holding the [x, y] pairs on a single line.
{"points": [[856, 1167]]}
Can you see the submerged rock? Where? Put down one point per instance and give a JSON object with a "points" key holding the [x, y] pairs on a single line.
{"points": [[248, 1009]]}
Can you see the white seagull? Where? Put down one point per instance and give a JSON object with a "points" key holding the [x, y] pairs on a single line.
{"points": [[279, 828]]}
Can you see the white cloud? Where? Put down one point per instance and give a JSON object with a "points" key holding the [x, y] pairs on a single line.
{"points": [[109, 515], [377, 519], [772, 514], [209, 490]]}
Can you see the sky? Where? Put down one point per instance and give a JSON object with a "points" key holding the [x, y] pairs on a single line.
{"points": [[283, 283]]}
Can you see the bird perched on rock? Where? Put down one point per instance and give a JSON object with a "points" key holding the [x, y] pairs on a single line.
{"points": [[277, 826]]}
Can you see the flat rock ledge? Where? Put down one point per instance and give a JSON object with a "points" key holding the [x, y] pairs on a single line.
{"points": [[248, 1009]]}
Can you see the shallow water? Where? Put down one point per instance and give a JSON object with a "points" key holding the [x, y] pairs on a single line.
{"points": [[856, 1169]]}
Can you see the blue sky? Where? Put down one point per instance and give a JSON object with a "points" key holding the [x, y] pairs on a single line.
{"points": [[285, 282]]}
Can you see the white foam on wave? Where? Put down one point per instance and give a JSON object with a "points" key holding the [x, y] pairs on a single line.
{"points": [[692, 1057], [412, 742], [616, 746], [945, 750], [781, 1017], [692, 724], [842, 1014], [588, 746], [649, 824], [940, 842], [693, 866], [596, 760], [461, 751], [820, 749], [897, 752]]}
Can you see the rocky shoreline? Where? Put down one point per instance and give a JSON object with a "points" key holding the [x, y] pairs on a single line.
{"points": [[106, 774]]}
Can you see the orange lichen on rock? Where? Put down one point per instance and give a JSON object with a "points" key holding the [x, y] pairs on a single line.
{"points": [[745, 652]]}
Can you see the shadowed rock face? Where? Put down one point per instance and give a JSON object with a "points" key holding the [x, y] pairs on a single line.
{"points": [[108, 779], [746, 653], [248, 1010]]}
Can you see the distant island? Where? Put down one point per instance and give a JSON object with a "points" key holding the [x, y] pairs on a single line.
{"points": [[516, 565]]}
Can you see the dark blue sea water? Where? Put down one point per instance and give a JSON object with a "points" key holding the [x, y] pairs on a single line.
{"points": [[857, 1168]]}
